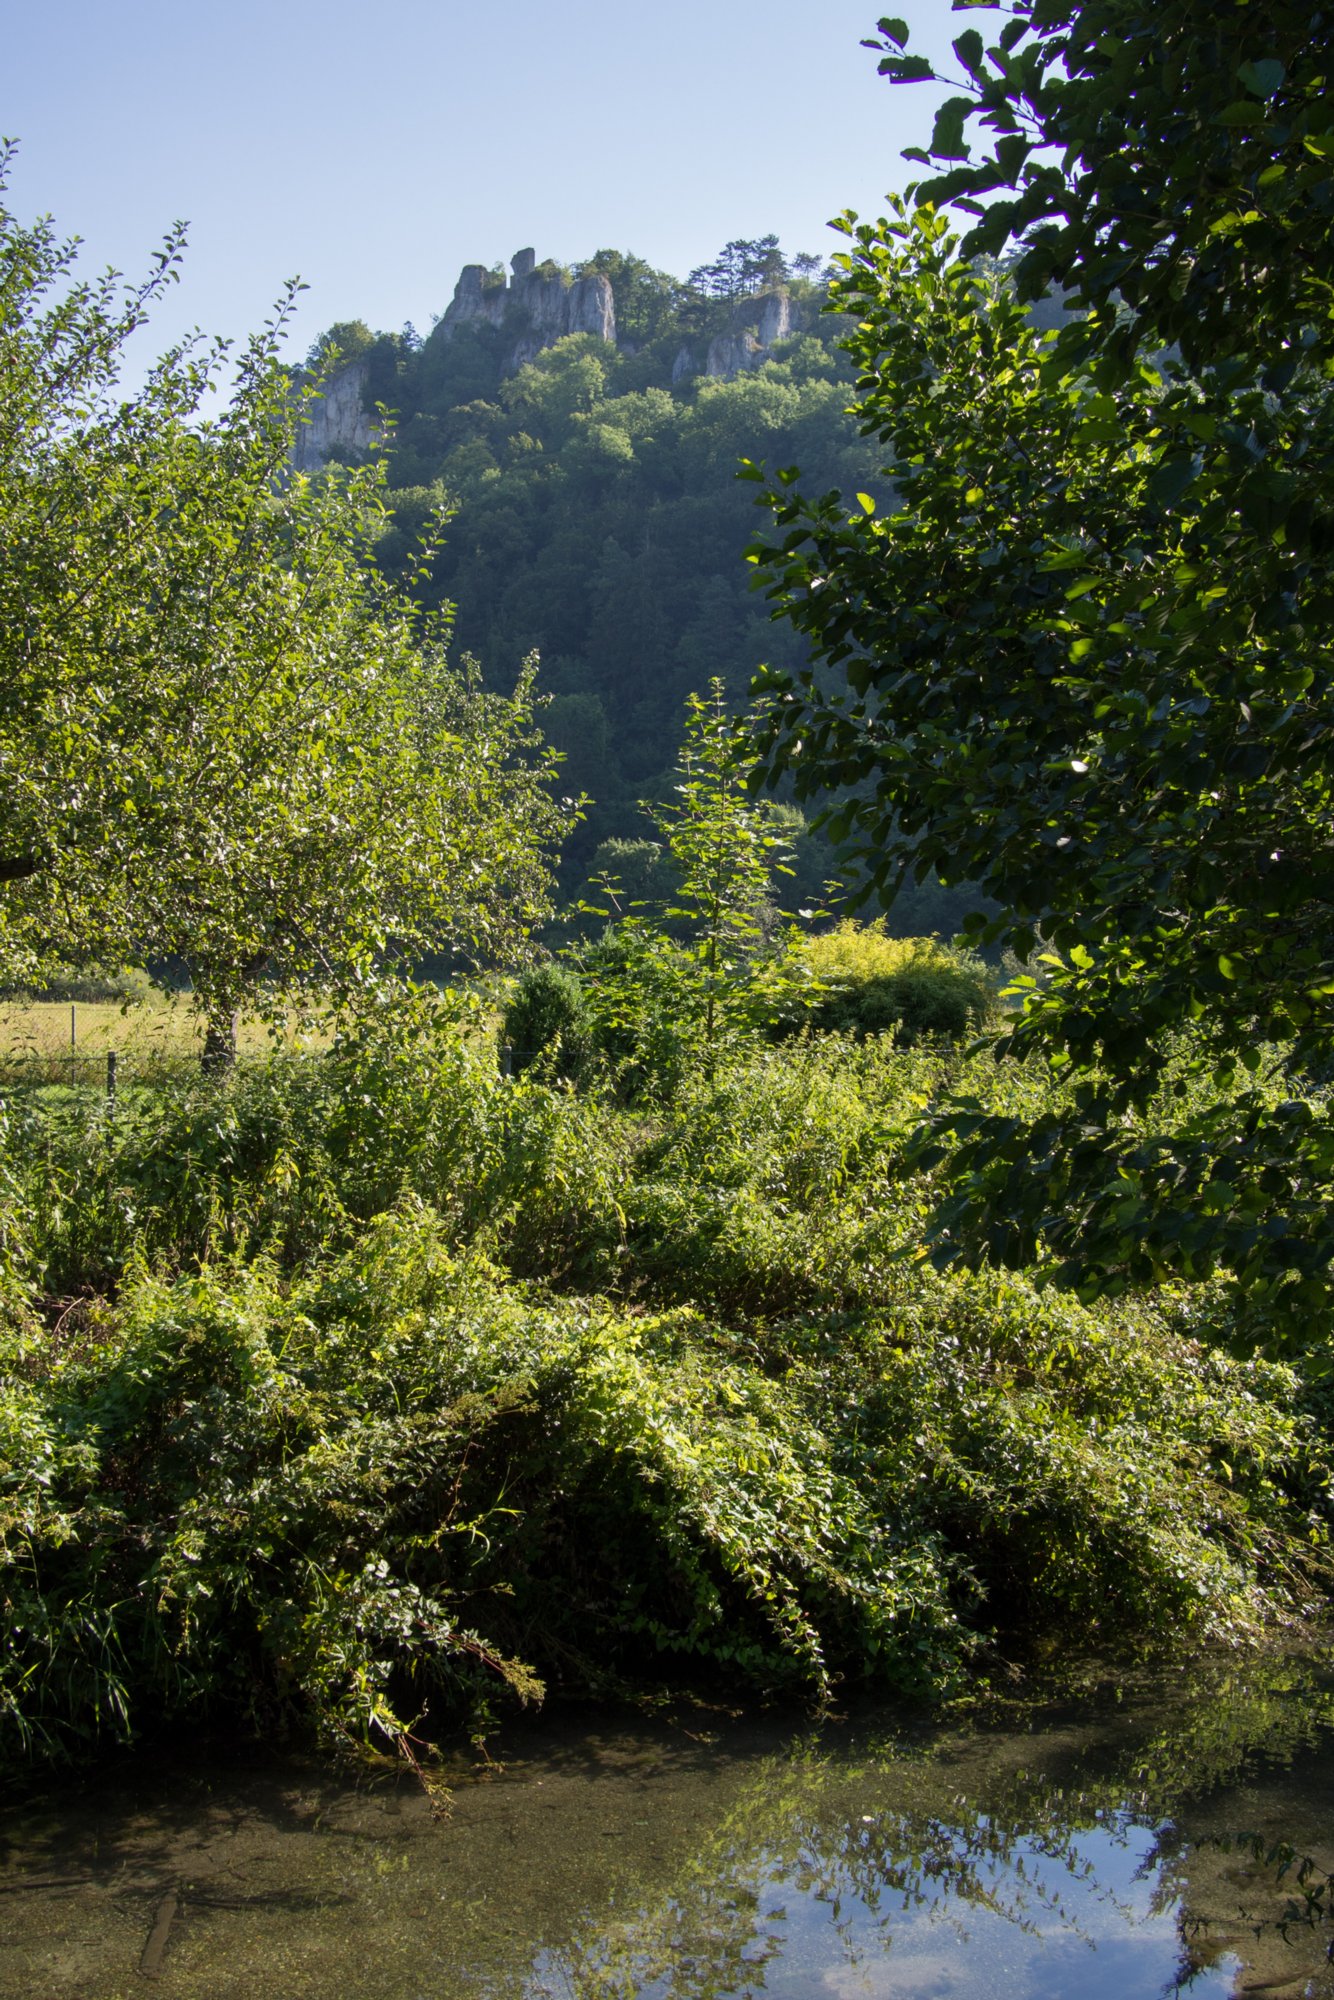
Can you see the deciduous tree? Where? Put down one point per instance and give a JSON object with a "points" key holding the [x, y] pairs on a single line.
{"points": [[1085, 655], [223, 736]]}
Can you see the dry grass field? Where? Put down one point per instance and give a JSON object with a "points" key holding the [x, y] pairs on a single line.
{"points": [[164, 1025]]}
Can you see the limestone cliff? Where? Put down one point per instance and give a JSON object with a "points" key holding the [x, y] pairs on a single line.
{"points": [[533, 308], [539, 303], [337, 418], [539, 307], [758, 324]]}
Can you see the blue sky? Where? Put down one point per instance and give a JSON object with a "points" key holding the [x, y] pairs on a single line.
{"points": [[376, 150]]}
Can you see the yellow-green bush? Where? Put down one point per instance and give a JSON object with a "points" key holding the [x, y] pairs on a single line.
{"points": [[917, 989]]}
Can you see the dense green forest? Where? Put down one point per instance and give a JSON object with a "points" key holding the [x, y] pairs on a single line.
{"points": [[597, 516]]}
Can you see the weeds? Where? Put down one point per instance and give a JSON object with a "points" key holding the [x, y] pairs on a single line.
{"points": [[372, 1380]]}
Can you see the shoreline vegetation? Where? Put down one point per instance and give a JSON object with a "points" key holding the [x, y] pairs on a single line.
{"points": [[738, 1311], [369, 1384]]}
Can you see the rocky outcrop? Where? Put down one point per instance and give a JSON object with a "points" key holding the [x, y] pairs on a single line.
{"points": [[336, 418], [539, 302], [758, 324], [539, 306]]}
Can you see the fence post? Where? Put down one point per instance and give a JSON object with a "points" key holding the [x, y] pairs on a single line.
{"points": [[111, 1079]]}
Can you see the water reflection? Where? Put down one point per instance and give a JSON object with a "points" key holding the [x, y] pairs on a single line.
{"points": [[910, 1906], [1080, 1850]]}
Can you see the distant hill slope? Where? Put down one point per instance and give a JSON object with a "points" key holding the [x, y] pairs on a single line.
{"points": [[586, 426]]}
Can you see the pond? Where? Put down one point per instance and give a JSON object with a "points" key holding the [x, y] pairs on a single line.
{"points": [[1116, 1841]]}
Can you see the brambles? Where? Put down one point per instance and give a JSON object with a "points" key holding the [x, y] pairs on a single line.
{"points": [[371, 1378]]}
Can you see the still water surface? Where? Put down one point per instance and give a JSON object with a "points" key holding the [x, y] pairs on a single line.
{"points": [[1084, 1849]]}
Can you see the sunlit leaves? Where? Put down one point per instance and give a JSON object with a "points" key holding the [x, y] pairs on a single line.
{"points": [[224, 738], [1084, 663]]}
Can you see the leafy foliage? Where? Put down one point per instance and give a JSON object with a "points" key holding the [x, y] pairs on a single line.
{"points": [[1175, 158], [1082, 657], [726, 853], [547, 1017], [714, 959], [224, 737], [867, 983], [350, 1434]]}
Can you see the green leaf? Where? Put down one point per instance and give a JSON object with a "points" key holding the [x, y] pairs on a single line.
{"points": [[1264, 78], [907, 69], [1240, 115], [1171, 479], [969, 50], [947, 140]]}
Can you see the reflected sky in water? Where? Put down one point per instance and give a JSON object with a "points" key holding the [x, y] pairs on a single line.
{"points": [[910, 1911], [1062, 1852], [1089, 1921]]}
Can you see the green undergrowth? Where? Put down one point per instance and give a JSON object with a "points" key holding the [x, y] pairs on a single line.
{"points": [[375, 1383]]}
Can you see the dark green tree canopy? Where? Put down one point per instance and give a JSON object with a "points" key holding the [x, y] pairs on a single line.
{"points": [[1177, 158], [595, 514], [1085, 653]]}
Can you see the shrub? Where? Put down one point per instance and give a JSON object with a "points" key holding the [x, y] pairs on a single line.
{"points": [[1095, 1469], [645, 1008], [343, 1497], [916, 989], [547, 1022], [325, 1423], [294, 1155], [362, 1491]]}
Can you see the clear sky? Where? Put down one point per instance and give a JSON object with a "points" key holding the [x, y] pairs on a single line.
{"points": [[376, 149]]}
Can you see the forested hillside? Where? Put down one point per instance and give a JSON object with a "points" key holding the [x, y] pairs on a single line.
{"points": [[598, 517]]}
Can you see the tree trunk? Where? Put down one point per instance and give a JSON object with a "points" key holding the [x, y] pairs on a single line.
{"points": [[219, 1044]]}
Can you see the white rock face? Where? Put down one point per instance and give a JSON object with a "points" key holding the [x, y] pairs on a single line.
{"points": [[335, 418], [775, 320], [476, 296], [592, 307], [730, 353], [545, 308], [758, 324]]}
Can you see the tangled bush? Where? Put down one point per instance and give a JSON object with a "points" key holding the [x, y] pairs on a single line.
{"points": [[915, 989], [345, 1497], [329, 1390], [342, 1498]]}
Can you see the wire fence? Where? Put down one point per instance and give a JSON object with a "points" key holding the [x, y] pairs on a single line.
{"points": [[113, 1070], [106, 1071]]}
